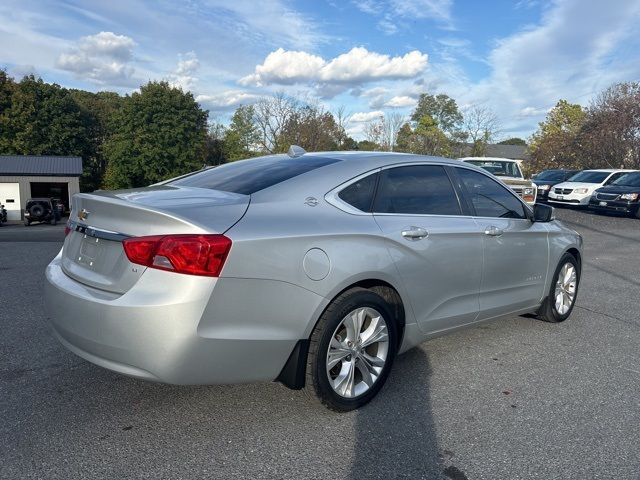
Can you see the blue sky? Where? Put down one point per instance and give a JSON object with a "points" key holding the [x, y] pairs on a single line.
{"points": [[371, 57]]}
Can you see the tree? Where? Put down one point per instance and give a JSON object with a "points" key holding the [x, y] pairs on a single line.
{"points": [[271, 116], [215, 145], [41, 119], [513, 141], [158, 133], [384, 130], [480, 125], [610, 136], [404, 138], [312, 128], [441, 108], [555, 143], [242, 137], [97, 110]]}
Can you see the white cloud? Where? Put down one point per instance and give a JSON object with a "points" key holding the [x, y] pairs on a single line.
{"points": [[226, 100], [103, 58], [532, 112], [400, 101], [354, 67], [359, 117], [436, 9], [387, 26], [184, 74]]}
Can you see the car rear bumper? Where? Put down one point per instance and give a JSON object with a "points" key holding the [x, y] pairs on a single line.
{"points": [[182, 329], [614, 206]]}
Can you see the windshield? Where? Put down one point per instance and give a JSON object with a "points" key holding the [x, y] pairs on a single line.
{"points": [[249, 176], [498, 168], [551, 175], [629, 180], [589, 176]]}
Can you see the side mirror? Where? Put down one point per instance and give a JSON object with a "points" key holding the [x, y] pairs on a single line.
{"points": [[543, 213]]}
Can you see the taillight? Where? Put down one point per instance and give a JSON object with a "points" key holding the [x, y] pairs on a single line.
{"points": [[190, 254], [67, 229]]}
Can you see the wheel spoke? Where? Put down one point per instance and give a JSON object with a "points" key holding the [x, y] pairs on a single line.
{"points": [[335, 356], [368, 375], [376, 332]]}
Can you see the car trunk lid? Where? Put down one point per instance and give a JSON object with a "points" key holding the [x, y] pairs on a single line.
{"points": [[93, 253]]}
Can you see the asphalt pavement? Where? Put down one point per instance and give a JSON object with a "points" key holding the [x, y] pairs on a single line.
{"points": [[514, 399]]}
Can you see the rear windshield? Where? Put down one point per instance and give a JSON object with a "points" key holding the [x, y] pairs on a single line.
{"points": [[629, 180], [250, 176], [589, 177], [498, 168]]}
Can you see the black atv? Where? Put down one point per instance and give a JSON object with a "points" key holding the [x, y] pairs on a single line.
{"points": [[41, 210]]}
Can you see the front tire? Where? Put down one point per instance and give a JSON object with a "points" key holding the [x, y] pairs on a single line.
{"points": [[563, 291], [351, 350]]}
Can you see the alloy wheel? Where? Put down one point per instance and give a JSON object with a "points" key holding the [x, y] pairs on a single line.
{"points": [[357, 352], [565, 292]]}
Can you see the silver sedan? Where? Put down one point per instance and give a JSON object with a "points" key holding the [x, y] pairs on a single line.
{"points": [[312, 269]]}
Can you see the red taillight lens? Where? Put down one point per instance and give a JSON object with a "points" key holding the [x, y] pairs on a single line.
{"points": [[190, 254], [67, 229]]}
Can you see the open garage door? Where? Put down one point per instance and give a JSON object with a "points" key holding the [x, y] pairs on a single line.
{"points": [[59, 191], [10, 198]]}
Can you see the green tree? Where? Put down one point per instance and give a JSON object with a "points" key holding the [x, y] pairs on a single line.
{"points": [[555, 143], [158, 133], [441, 108], [513, 141], [97, 111], [42, 119], [241, 138], [404, 138]]}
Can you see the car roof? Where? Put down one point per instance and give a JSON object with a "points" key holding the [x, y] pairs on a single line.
{"points": [[489, 159], [609, 170], [382, 158]]}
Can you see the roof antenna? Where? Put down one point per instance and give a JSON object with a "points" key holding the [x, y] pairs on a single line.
{"points": [[295, 151]]}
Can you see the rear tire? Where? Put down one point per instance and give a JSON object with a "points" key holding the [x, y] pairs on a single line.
{"points": [[563, 291], [26, 222], [351, 350]]}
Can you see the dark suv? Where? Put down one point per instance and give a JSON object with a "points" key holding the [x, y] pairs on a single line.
{"points": [[41, 210], [546, 179]]}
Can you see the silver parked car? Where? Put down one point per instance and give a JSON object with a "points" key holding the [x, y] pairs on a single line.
{"points": [[314, 270]]}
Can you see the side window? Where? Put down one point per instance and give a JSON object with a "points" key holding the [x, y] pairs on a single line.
{"points": [[489, 198], [360, 194], [420, 189]]}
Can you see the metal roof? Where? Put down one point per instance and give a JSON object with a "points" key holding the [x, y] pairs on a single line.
{"points": [[40, 165]]}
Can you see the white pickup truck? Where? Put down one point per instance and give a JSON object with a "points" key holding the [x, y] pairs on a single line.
{"points": [[510, 173]]}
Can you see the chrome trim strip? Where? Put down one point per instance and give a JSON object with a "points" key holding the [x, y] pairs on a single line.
{"points": [[94, 232]]}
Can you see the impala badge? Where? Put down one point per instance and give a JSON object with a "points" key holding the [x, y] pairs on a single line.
{"points": [[83, 214]]}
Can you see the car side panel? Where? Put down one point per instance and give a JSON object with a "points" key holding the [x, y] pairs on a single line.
{"points": [[321, 249]]}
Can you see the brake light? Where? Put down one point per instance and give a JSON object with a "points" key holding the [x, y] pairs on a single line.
{"points": [[190, 254], [67, 229]]}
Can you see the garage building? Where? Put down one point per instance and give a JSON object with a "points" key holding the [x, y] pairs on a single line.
{"points": [[30, 176]]}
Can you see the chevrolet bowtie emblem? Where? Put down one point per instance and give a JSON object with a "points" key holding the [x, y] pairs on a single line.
{"points": [[83, 214]]}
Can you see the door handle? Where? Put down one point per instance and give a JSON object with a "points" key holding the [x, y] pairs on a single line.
{"points": [[493, 231], [414, 233]]}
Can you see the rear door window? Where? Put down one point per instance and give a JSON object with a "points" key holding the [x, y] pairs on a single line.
{"points": [[416, 190]]}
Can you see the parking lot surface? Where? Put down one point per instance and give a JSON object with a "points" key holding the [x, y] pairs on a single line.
{"points": [[514, 399]]}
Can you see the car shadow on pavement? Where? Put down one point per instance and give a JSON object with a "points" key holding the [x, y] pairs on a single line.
{"points": [[395, 433]]}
